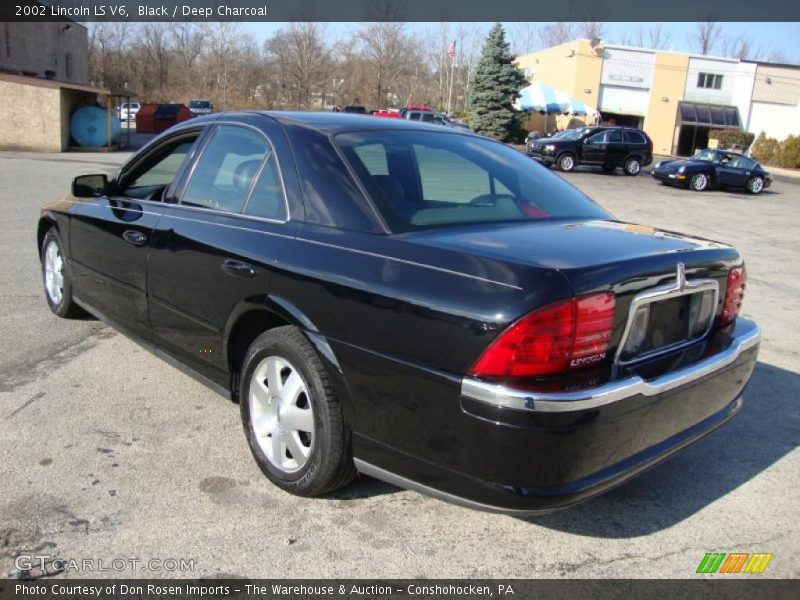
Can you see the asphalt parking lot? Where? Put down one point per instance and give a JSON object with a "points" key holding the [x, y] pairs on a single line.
{"points": [[106, 452]]}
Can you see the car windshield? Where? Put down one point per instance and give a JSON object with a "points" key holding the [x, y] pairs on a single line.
{"points": [[199, 104], [422, 179], [706, 155], [570, 134]]}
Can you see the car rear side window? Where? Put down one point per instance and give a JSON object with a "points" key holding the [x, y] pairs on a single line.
{"points": [[614, 135], [222, 177], [267, 200], [634, 137], [331, 196]]}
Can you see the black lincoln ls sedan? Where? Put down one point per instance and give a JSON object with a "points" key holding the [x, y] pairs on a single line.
{"points": [[407, 301]]}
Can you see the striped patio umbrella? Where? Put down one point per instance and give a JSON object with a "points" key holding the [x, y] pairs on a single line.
{"points": [[541, 98]]}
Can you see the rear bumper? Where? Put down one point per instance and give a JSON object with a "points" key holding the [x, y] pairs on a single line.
{"points": [[522, 452], [747, 337]]}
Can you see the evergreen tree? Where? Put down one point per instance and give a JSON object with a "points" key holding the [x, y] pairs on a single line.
{"points": [[494, 87]]}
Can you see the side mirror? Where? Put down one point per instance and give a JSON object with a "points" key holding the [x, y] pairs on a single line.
{"points": [[89, 186]]}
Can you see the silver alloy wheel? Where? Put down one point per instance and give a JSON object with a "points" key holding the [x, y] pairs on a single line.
{"points": [[54, 273], [756, 185], [699, 182], [281, 414], [566, 163], [634, 167]]}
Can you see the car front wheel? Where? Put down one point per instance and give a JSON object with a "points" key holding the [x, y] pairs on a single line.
{"points": [[566, 162], [291, 416], [632, 166], [55, 277], [755, 185], [699, 182]]}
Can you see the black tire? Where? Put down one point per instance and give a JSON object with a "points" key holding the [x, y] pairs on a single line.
{"points": [[329, 465], [608, 168], [632, 166], [698, 182], [566, 162], [64, 306], [755, 185]]}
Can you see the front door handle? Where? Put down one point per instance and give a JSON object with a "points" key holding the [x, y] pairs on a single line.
{"points": [[238, 268], [137, 238]]}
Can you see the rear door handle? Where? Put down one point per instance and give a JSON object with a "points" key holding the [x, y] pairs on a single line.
{"points": [[238, 268], [137, 238]]}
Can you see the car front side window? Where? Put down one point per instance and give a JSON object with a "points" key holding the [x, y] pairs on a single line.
{"points": [[150, 179], [598, 138]]}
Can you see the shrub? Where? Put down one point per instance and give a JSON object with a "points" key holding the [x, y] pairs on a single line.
{"points": [[764, 149], [731, 138], [788, 153]]}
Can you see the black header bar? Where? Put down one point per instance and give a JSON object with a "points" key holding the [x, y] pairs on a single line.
{"points": [[400, 10]]}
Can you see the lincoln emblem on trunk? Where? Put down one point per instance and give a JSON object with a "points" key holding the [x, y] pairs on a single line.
{"points": [[681, 277]]}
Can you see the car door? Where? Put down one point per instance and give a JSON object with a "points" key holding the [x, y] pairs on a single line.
{"points": [[615, 149], [110, 235], [594, 148], [218, 243], [735, 172]]}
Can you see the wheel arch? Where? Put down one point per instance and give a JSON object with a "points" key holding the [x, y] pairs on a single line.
{"points": [[254, 316], [47, 222]]}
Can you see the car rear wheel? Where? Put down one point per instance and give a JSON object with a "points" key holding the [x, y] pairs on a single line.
{"points": [[566, 162], [632, 166], [699, 182], [55, 277], [291, 416], [755, 185]]}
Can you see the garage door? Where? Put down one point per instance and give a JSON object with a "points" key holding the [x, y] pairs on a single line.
{"points": [[624, 100]]}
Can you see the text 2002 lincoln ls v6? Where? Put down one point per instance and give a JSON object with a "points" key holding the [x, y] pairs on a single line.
{"points": [[415, 303]]}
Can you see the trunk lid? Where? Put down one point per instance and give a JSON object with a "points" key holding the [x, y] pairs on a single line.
{"points": [[595, 256]]}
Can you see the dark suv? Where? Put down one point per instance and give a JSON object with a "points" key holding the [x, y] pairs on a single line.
{"points": [[607, 147]]}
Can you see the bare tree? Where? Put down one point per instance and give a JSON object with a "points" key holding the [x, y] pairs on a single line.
{"points": [[524, 37], [591, 30], [557, 33], [154, 44], [705, 37], [655, 37], [385, 48], [737, 46], [301, 55]]}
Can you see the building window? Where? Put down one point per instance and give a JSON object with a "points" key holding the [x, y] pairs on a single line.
{"points": [[709, 81], [68, 65]]}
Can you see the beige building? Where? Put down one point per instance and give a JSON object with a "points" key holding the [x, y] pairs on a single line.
{"points": [[44, 74], [677, 98]]}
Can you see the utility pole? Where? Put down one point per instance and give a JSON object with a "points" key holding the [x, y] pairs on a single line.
{"points": [[451, 52]]}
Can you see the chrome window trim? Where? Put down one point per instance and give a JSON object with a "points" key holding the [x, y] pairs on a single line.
{"points": [[681, 287], [503, 396]]}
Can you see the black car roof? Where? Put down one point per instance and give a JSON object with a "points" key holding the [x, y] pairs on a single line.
{"points": [[331, 122]]}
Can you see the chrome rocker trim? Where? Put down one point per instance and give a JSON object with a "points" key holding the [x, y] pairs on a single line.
{"points": [[516, 399]]}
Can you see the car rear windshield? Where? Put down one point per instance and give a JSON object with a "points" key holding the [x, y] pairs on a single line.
{"points": [[422, 179], [199, 104]]}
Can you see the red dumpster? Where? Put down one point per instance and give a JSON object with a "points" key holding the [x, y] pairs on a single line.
{"points": [[155, 118]]}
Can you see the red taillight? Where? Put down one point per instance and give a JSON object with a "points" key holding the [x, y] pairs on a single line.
{"points": [[734, 295], [570, 334]]}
